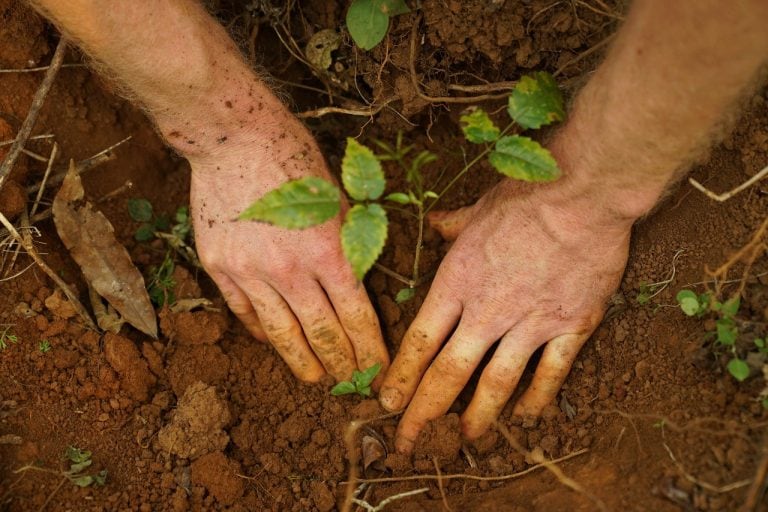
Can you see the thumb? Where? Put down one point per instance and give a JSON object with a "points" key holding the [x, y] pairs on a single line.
{"points": [[450, 223]]}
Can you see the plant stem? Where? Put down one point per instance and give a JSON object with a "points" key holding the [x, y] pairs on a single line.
{"points": [[466, 168], [419, 240]]}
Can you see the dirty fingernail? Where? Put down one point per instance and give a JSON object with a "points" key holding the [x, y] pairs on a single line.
{"points": [[390, 399]]}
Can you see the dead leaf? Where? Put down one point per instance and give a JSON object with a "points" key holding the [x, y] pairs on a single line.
{"points": [[182, 305], [106, 317], [374, 452], [106, 265]]}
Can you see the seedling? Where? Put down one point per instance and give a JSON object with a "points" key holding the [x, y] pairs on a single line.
{"points": [[298, 204], [726, 326], [78, 461], [368, 20], [160, 279], [44, 346], [6, 337], [360, 383]]}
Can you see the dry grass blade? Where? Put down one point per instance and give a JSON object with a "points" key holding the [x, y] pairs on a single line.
{"points": [[727, 195], [49, 272], [105, 263], [34, 110], [553, 468]]}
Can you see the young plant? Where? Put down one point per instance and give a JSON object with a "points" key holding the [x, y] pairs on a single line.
{"points": [[161, 283], [6, 337], [368, 20], [360, 383], [78, 461], [44, 346], [726, 326], [302, 203]]}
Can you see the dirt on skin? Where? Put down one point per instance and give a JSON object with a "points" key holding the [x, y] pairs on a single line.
{"points": [[206, 418]]}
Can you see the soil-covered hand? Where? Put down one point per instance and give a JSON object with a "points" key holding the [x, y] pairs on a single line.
{"points": [[293, 288], [524, 271]]}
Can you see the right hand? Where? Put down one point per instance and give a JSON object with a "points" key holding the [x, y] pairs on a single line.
{"points": [[291, 287]]}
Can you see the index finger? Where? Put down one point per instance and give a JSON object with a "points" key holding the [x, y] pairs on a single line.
{"points": [[435, 320]]}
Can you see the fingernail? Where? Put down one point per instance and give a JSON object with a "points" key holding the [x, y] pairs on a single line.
{"points": [[390, 398]]}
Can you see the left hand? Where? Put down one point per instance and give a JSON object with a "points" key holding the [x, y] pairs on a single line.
{"points": [[526, 270]]}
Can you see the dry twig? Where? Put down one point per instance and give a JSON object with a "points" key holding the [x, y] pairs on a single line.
{"points": [[550, 466], [757, 488], [30, 248], [705, 485], [727, 195], [34, 110]]}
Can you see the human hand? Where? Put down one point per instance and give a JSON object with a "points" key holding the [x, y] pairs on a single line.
{"points": [[526, 269], [293, 288]]}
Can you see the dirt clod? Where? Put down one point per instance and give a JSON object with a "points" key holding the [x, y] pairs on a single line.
{"points": [[124, 357], [441, 438], [197, 425], [218, 474]]}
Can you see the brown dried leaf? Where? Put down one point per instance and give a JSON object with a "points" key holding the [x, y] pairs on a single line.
{"points": [[106, 265], [374, 452]]}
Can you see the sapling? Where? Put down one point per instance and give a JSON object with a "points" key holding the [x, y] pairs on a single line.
{"points": [[305, 202], [6, 336], [360, 383], [726, 326]]}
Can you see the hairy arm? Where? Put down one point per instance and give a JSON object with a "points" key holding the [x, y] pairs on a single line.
{"points": [[545, 259], [293, 288]]}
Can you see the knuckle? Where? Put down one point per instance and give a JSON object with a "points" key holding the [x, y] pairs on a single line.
{"points": [[283, 335], [450, 367]]}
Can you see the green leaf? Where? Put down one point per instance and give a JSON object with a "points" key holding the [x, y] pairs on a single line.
{"points": [[731, 306], [363, 379], [364, 391], [393, 7], [398, 197], [523, 159], [76, 455], [297, 204], [82, 481], [367, 23], [100, 478], [739, 369], [363, 235], [759, 343], [361, 172], [145, 233], [343, 388], [536, 101], [478, 127], [726, 331], [431, 194], [404, 295], [182, 214], [689, 302], [79, 467], [140, 210]]}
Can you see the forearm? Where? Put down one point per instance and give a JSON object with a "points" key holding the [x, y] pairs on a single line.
{"points": [[177, 62], [674, 73]]}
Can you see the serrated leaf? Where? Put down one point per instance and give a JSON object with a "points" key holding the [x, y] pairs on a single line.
{"points": [[361, 172], [398, 197], [297, 204], [404, 295], [478, 127], [536, 101], [726, 331], [363, 235], [393, 7], [689, 302], [363, 379], [524, 159], [739, 369], [367, 23], [140, 210], [343, 388], [145, 233]]}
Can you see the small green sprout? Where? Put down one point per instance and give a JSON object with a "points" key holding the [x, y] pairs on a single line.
{"points": [[44, 346], [360, 383], [161, 283], [80, 460], [6, 337]]}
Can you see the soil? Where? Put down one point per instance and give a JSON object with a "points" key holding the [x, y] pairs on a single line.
{"points": [[206, 418]]}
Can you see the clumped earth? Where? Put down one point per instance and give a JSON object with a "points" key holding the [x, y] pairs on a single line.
{"points": [[206, 418]]}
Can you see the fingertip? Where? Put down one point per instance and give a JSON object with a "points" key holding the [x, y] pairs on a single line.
{"points": [[404, 445], [391, 399], [450, 223]]}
